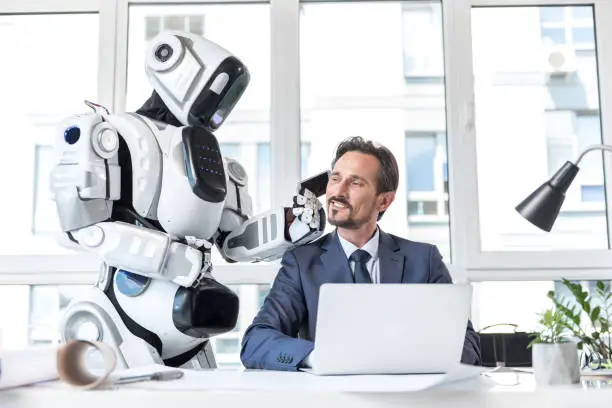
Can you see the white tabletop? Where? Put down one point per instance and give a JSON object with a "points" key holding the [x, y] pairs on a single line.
{"points": [[497, 390]]}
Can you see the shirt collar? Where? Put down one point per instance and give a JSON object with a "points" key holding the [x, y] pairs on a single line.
{"points": [[370, 247]]}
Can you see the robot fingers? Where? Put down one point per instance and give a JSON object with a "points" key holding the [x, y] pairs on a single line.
{"points": [[299, 199], [306, 218]]}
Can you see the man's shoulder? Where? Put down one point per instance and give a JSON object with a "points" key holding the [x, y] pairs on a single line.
{"points": [[408, 245], [311, 248]]}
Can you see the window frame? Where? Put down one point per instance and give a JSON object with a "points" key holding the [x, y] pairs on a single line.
{"points": [[465, 225], [469, 262]]}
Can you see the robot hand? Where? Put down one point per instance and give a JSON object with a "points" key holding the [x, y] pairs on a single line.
{"points": [[307, 218], [308, 210]]}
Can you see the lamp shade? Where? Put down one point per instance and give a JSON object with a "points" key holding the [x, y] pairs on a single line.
{"points": [[541, 207]]}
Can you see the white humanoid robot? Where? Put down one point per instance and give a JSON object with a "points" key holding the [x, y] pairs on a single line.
{"points": [[150, 193]]}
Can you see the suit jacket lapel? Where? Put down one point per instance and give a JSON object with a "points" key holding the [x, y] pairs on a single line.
{"points": [[335, 260], [391, 261]]}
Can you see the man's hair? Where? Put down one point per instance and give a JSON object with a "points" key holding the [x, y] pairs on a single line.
{"points": [[388, 175]]}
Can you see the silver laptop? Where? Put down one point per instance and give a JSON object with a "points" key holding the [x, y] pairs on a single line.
{"points": [[390, 328]]}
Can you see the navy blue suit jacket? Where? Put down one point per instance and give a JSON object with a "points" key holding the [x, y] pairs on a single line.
{"points": [[282, 334]]}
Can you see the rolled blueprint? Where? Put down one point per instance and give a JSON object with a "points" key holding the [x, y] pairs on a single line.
{"points": [[66, 362]]}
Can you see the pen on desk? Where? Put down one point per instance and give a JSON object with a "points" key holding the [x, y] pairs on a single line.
{"points": [[158, 376]]}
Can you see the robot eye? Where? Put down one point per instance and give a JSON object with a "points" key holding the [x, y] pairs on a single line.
{"points": [[72, 135], [163, 52]]}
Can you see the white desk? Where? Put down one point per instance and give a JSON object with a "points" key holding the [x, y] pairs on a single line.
{"points": [[500, 392]]}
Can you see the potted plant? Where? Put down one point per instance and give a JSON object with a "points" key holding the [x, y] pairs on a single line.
{"points": [[554, 356], [587, 319]]}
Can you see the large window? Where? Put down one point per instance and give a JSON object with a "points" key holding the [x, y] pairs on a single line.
{"points": [[47, 73], [537, 106], [393, 94]]}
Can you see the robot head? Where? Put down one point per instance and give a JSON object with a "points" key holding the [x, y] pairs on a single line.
{"points": [[198, 80]]}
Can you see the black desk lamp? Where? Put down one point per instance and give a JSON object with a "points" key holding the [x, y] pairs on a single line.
{"points": [[541, 207]]}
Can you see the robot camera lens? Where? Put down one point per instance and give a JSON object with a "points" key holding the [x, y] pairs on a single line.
{"points": [[72, 135], [163, 52]]}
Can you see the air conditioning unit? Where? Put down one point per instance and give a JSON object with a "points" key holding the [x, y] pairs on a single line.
{"points": [[559, 61]]}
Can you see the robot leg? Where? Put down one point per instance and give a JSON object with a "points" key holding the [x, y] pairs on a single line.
{"points": [[205, 358], [91, 316]]}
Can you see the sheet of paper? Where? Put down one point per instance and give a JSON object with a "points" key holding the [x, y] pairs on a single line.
{"points": [[261, 380], [27, 366]]}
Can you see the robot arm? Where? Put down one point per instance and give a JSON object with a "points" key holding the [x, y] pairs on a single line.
{"points": [[265, 237], [143, 251]]}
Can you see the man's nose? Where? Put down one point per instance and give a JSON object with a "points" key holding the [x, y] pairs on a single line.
{"points": [[339, 190], [343, 187]]}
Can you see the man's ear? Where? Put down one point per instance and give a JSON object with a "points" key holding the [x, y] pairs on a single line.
{"points": [[385, 200]]}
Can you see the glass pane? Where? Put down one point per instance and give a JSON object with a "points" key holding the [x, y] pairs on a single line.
{"points": [[38, 91], [421, 37], [14, 316], [553, 35], [369, 90], [515, 302], [552, 14], [47, 304], [509, 303], [45, 219], [536, 107], [248, 125], [227, 346], [420, 153], [584, 36], [583, 14]]}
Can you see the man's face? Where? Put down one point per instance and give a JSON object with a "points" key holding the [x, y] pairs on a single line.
{"points": [[351, 192]]}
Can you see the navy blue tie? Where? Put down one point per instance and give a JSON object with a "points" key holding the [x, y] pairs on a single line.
{"points": [[361, 257]]}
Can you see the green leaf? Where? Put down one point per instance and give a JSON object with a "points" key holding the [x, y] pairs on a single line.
{"points": [[580, 345], [601, 286], [595, 313], [587, 308]]}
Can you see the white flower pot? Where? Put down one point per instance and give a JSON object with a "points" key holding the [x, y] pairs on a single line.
{"points": [[556, 363]]}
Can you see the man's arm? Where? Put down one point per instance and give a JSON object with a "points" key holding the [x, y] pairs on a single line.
{"points": [[270, 341], [438, 273]]}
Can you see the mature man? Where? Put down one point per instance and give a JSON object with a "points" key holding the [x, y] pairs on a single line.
{"points": [[361, 187]]}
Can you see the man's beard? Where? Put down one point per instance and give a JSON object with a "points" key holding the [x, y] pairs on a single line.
{"points": [[348, 223]]}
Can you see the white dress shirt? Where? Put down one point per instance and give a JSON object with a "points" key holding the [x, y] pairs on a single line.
{"points": [[370, 247], [373, 267]]}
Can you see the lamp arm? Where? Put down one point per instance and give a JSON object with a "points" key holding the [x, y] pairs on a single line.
{"points": [[590, 148]]}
